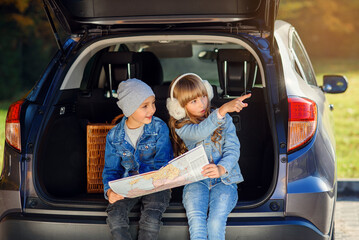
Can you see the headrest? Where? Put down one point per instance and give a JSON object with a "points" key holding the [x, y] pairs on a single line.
{"points": [[150, 68], [234, 55], [120, 66], [117, 57], [234, 66]]}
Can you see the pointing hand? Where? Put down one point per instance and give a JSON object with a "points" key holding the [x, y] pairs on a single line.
{"points": [[236, 105]]}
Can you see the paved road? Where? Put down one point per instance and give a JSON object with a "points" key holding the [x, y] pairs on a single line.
{"points": [[347, 218]]}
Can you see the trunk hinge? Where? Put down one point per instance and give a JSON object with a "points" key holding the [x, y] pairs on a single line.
{"points": [[54, 31], [105, 31], [233, 28], [99, 31]]}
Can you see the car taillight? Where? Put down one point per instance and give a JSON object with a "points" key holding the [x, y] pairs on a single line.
{"points": [[302, 122], [12, 126]]}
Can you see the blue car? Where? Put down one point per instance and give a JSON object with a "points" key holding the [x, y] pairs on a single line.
{"points": [[50, 188]]}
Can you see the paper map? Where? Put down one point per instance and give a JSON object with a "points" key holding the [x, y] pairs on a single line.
{"points": [[178, 172]]}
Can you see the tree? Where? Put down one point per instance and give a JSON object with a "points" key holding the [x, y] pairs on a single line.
{"points": [[26, 45], [327, 27]]}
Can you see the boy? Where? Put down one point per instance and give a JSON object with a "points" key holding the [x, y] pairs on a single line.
{"points": [[139, 143]]}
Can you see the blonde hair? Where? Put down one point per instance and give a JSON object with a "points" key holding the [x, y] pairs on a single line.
{"points": [[185, 90]]}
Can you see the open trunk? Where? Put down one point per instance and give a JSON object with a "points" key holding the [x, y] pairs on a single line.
{"points": [[231, 69]]}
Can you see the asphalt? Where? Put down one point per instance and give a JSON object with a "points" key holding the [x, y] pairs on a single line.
{"points": [[347, 210]]}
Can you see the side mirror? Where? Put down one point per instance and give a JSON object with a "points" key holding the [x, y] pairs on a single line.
{"points": [[334, 84]]}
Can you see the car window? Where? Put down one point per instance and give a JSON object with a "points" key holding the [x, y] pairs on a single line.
{"points": [[87, 74], [203, 60], [207, 69], [176, 58], [297, 69], [302, 62]]}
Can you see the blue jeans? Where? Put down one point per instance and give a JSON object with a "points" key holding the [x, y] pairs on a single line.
{"points": [[152, 208], [213, 197]]}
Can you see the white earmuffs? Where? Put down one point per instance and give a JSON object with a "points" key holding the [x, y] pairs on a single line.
{"points": [[172, 104]]}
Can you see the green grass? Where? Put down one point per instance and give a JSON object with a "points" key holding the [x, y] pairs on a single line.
{"points": [[3, 110], [345, 115]]}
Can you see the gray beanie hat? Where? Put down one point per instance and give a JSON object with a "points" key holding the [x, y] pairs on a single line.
{"points": [[131, 94]]}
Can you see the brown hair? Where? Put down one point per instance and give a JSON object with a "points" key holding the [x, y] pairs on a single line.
{"points": [[186, 89]]}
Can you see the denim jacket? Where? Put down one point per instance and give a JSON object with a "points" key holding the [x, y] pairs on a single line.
{"points": [[226, 153], [153, 151]]}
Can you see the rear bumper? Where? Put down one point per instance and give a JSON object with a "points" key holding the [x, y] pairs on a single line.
{"points": [[41, 227], [287, 229]]}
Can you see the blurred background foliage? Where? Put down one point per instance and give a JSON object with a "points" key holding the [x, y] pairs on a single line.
{"points": [[26, 45], [327, 27]]}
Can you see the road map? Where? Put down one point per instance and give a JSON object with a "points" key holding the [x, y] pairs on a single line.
{"points": [[180, 171]]}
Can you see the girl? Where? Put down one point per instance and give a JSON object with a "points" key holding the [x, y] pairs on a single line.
{"points": [[192, 123]]}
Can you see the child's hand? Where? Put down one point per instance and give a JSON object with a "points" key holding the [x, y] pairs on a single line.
{"points": [[113, 197], [213, 171], [236, 105]]}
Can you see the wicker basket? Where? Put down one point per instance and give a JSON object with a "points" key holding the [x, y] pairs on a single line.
{"points": [[96, 143]]}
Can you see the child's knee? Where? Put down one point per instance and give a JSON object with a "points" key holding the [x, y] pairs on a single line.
{"points": [[151, 219], [214, 223], [117, 219]]}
